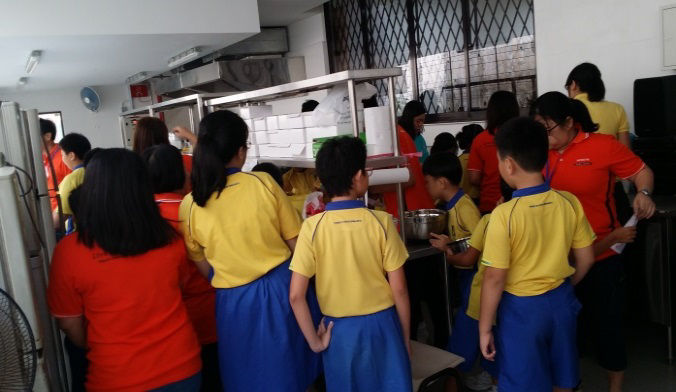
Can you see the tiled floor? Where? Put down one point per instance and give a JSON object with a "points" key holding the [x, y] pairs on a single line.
{"points": [[648, 369]]}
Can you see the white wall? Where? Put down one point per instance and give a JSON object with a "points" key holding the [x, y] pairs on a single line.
{"points": [[622, 37], [307, 38], [101, 128]]}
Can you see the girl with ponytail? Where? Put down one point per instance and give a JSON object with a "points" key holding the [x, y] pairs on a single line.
{"points": [[586, 164], [584, 83], [240, 229]]}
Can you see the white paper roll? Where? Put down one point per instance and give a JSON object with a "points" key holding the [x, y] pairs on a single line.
{"points": [[378, 127], [388, 176]]}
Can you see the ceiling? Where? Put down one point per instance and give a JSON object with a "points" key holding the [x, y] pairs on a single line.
{"points": [[275, 13], [76, 60]]}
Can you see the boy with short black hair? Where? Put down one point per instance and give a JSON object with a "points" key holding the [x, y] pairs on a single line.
{"points": [[74, 147], [357, 258], [443, 173], [528, 274]]}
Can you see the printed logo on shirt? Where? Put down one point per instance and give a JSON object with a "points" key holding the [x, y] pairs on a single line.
{"points": [[583, 162], [347, 221]]}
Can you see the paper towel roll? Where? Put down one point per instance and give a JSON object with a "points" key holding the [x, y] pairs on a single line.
{"points": [[388, 176], [378, 127]]}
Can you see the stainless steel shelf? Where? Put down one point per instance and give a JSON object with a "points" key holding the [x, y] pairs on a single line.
{"points": [[172, 103], [420, 250], [308, 163], [304, 86]]}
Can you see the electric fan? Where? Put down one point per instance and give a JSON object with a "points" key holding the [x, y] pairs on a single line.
{"points": [[18, 356]]}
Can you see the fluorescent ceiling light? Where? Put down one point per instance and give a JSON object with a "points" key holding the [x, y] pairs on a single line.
{"points": [[23, 81], [184, 57], [33, 61], [139, 77]]}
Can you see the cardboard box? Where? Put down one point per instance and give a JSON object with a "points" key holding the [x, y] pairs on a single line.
{"points": [[291, 121], [272, 122], [251, 112], [283, 136], [260, 124]]}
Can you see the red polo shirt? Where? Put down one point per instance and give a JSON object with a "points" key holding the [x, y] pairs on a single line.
{"points": [[483, 158], [198, 294], [587, 168], [60, 169], [138, 332], [416, 196]]}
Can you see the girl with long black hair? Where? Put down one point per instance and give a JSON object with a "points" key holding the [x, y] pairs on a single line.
{"points": [[241, 229]]}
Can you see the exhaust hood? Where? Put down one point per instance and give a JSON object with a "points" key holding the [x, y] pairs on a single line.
{"points": [[231, 76]]}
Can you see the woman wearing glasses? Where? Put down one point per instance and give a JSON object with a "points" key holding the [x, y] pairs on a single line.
{"points": [[586, 164]]}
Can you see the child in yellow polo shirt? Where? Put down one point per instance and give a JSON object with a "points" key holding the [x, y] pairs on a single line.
{"points": [[357, 258], [74, 147], [528, 274]]}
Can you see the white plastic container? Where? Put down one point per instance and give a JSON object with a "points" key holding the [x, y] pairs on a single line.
{"points": [[251, 112], [330, 131], [283, 136], [260, 124], [378, 128], [291, 121], [287, 150], [272, 122], [262, 137]]}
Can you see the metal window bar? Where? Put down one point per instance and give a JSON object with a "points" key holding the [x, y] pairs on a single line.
{"points": [[449, 66]]}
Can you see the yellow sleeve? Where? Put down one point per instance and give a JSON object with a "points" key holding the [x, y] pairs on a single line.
{"points": [[498, 255], [194, 249], [289, 221], [584, 234], [65, 188], [395, 254], [469, 215], [304, 261], [479, 234], [623, 125]]}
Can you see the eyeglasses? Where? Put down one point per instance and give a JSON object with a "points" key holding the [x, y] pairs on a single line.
{"points": [[369, 172], [550, 129]]}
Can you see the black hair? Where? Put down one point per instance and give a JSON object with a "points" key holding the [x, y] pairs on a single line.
{"points": [[588, 79], [148, 132], [309, 105], [444, 142], [47, 126], [505, 191], [338, 161], [75, 143], [371, 102], [165, 167], [74, 201], [220, 137], [557, 107], [443, 164], [272, 170], [524, 140], [90, 154], [411, 110], [466, 136], [116, 208], [502, 106]]}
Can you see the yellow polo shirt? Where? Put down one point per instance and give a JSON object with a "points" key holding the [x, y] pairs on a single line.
{"points": [[477, 242], [531, 236], [73, 180], [350, 249], [240, 232], [610, 116], [463, 216]]}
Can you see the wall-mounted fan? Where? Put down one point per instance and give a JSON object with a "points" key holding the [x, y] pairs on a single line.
{"points": [[17, 347], [90, 99]]}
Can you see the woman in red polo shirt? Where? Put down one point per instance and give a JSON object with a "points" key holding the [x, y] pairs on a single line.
{"points": [[482, 166], [114, 286], [586, 164], [415, 194]]}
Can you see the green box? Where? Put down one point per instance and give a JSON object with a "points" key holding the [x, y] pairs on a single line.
{"points": [[319, 142]]}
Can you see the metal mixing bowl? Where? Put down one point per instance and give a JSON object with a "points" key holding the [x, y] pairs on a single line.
{"points": [[420, 223], [459, 246]]}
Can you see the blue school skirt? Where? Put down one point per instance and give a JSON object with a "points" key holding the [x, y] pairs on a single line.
{"points": [[464, 340], [536, 341], [260, 346], [367, 353]]}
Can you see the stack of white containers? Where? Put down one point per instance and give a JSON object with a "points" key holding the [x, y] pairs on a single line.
{"points": [[292, 135]]}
